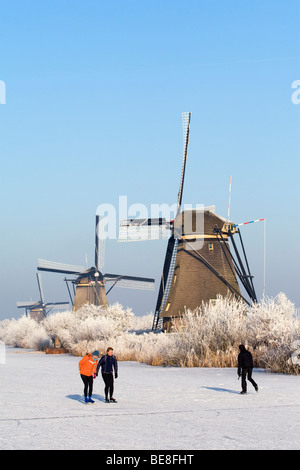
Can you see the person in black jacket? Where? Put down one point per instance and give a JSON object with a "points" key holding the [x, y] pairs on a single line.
{"points": [[108, 364], [245, 367]]}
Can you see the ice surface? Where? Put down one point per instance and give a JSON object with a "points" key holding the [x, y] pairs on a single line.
{"points": [[159, 408]]}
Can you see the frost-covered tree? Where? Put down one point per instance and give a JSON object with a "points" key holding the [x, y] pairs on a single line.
{"points": [[206, 337]]}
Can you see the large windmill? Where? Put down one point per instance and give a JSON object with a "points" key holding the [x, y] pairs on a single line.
{"points": [[39, 309], [198, 263], [89, 284]]}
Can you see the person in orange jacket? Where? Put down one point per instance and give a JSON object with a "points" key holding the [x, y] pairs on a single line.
{"points": [[88, 368]]}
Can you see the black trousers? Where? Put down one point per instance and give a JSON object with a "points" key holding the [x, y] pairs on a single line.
{"points": [[247, 373], [109, 384], [88, 384]]}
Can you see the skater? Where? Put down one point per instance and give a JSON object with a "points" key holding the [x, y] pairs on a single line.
{"points": [[87, 368], [245, 367], [108, 363]]}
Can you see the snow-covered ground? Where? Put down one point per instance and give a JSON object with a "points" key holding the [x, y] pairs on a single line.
{"points": [[158, 408]]}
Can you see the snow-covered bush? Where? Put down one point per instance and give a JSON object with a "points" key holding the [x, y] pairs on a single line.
{"points": [[272, 328], [24, 333], [272, 321], [89, 324], [121, 318], [209, 336], [198, 339], [211, 332], [142, 323], [206, 337]]}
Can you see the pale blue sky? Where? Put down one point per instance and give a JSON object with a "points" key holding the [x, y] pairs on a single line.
{"points": [[94, 96]]}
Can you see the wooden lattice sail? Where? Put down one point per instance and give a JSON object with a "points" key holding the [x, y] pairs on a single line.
{"points": [[89, 284]]}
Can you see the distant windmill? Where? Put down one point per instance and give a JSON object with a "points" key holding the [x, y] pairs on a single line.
{"points": [[89, 284], [38, 310], [198, 262]]}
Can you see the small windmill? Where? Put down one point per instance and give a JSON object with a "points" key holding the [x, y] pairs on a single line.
{"points": [[198, 263], [39, 309], [89, 284]]}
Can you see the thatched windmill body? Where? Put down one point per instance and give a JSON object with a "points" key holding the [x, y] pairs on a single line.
{"points": [[198, 264]]}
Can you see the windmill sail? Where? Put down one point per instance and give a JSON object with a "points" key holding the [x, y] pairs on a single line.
{"points": [[38, 276], [29, 304], [130, 282], [186, 119], [54, 305], [53, 266], [100, 237], [169, 263], [132, 230], [163, 288]]}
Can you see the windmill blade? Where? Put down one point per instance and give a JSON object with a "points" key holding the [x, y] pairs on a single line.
{"points": [[100, 237], [97, 243], [50, 305], [54, 267], [130, 282], [28, 304], [167, 274], [145, 222], [57, 304], [39, 280], [186, 119], [144, 229]]}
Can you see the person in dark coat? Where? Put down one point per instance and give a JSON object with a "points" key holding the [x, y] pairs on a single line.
{"points": [[109, 366], [245, 367]]}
